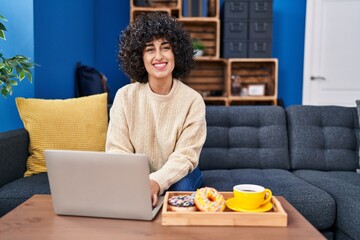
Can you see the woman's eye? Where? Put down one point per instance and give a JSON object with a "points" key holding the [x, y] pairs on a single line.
{"points": [[149, 50], [167, 47]]}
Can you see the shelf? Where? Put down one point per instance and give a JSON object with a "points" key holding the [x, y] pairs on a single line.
{"points": [[207, 31], [216, 101], [251, 98], [213, 9], [155, 3], [137, 11], [172, 7], [246, 72], [209, 78], [254, 101], [213, 76]]}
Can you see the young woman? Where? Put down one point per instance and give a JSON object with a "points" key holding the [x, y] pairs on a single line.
{"points": [[158, 115]]}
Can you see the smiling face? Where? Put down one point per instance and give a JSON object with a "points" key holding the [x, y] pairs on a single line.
{"points": [[159, 60]]}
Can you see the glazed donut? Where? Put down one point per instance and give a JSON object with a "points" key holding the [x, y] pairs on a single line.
{"points": [[182, 203], [208, 199]]}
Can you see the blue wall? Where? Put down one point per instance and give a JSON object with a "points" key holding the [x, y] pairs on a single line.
{"points": [[288, 47], [20, 40], [68, 31], [64, 35], [112, 17]]}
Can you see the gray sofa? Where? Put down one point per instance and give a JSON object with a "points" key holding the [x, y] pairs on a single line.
{"points": [[308, 154]]}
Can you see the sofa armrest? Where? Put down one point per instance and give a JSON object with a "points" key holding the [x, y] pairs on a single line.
{"points": [[14, 151]]}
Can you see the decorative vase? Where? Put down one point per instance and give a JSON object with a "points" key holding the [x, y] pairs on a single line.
{"points": [[199, 53]]}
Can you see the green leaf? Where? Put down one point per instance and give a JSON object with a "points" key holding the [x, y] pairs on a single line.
{"points": [[2, 35], [2, 27], [14, 63], [20, 57], [22, 75], [3, 18], [27, 64], [11, 91], [2, 65], [18, 68], [2, 72], [29, 76], [26, 70], [8, 87], [13, 83], [4, 92], [10, 70]]}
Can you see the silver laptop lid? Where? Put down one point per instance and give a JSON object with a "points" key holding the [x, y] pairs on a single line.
{"points": [[100, 184]]}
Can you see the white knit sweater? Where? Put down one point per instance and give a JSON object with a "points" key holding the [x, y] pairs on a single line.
{"points": [[170, 129]]}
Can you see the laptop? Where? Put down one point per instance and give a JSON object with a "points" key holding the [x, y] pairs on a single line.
{"points": [[100, 184]]}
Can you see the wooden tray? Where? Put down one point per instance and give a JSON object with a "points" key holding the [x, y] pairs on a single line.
{"points": [[276, 217]]}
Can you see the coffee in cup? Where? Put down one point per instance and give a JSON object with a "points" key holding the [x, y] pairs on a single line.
{"points": [[251, 196]]}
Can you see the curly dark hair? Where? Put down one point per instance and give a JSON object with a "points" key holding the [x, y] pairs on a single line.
{"points": [[146, 28]]}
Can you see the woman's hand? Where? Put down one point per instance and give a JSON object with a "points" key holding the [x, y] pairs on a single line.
{"points": [[155, 189]]}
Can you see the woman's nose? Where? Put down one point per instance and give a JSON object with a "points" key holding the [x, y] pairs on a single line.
{"points": [[158, 54]]}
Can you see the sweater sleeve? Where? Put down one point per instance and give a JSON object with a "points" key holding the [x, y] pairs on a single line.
{"points": [[118, 139], [187, 149]]}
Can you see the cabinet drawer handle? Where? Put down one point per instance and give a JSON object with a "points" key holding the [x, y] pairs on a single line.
{"points": [[313, 78]]}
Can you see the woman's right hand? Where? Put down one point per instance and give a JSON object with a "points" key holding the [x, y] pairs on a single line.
{"points": [[154, 189]]}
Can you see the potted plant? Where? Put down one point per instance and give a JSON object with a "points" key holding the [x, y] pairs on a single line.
{"points": [[198, 47], [14, 69]]}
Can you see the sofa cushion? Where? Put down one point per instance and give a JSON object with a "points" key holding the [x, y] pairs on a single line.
{"points": [[71, 124], [245, 137], [18, 191], [340, 235], [14, 150], [323, 137], [344, 187], [317, 206]]}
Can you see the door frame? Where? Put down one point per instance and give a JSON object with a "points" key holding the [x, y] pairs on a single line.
{"points": [[314, 70], [313, 14]]}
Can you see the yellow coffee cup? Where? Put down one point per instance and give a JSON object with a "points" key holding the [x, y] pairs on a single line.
{"points": [[251, 196]]}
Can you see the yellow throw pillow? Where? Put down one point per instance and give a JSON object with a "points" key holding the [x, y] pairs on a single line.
{"points": [[70, 124]]}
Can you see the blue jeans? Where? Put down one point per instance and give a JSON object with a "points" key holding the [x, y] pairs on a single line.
{"points": [[190, 182]]}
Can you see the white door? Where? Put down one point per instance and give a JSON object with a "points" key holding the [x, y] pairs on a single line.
{"points": [[332, 53]]}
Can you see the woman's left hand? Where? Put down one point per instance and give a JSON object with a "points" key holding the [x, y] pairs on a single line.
{"points": [[155, 189]]}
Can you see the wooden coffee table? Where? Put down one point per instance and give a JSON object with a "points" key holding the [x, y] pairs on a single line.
{"points": [[35, 219]]}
